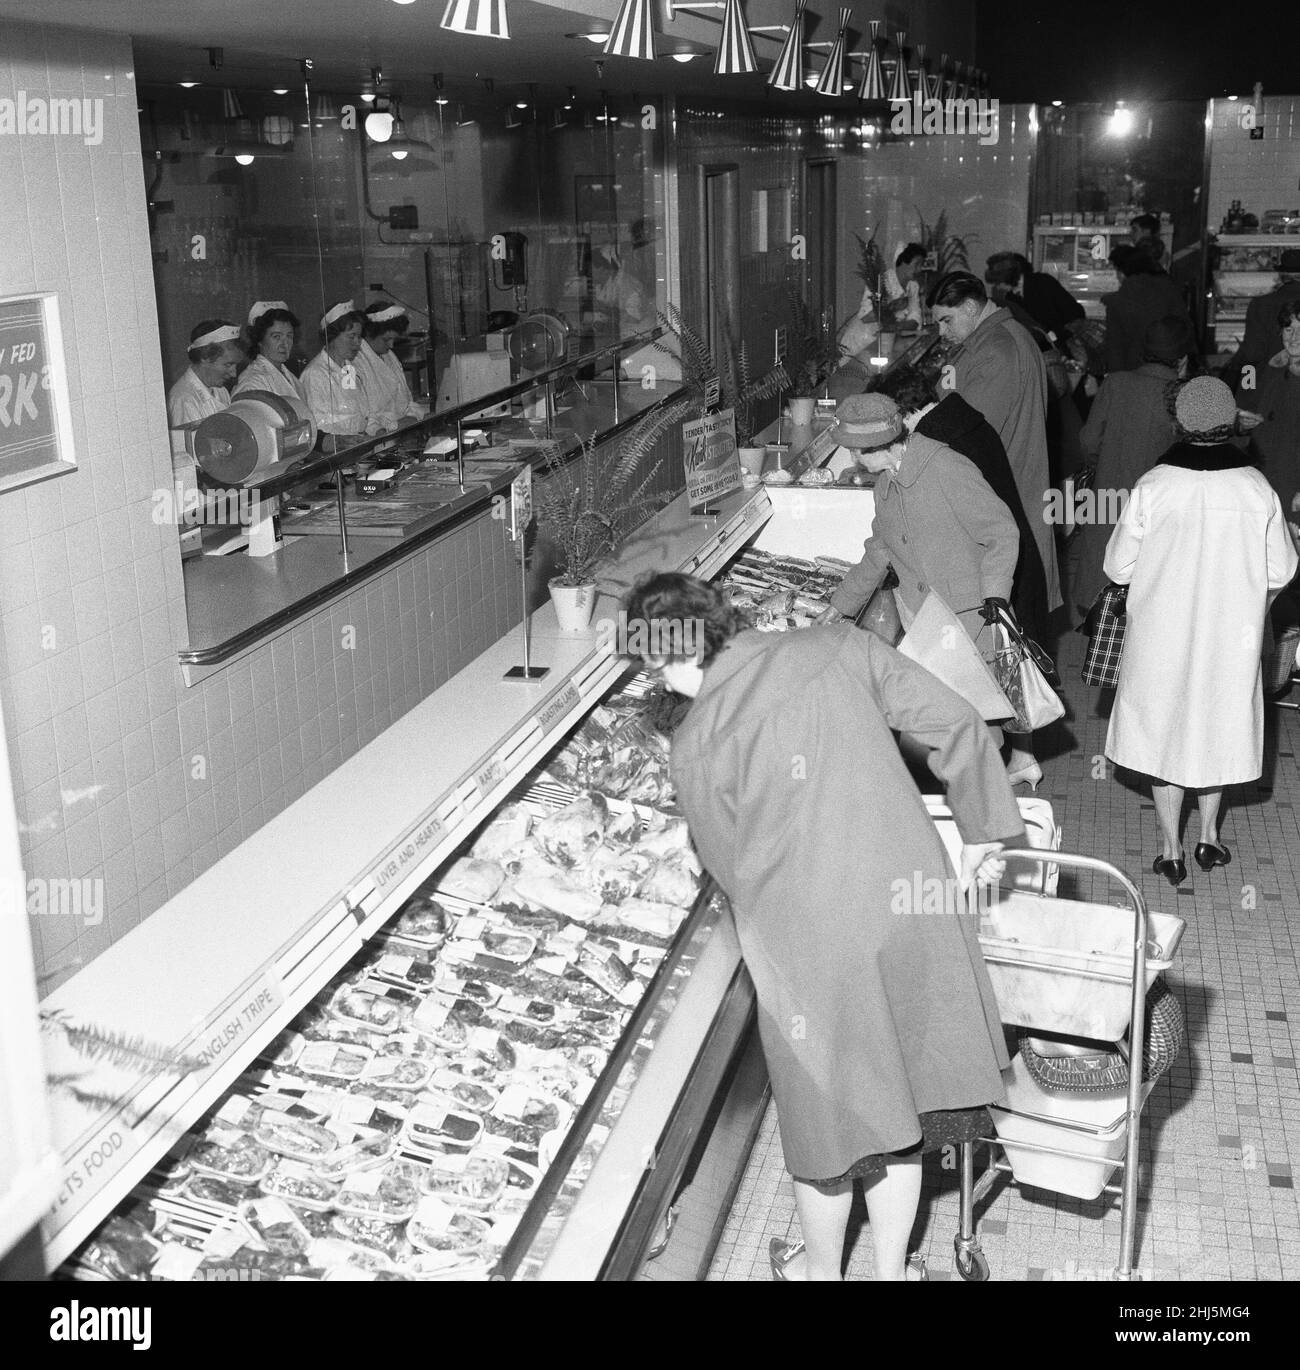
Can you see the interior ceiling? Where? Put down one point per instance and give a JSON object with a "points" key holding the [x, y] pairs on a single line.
{"points": [[263, 41]]}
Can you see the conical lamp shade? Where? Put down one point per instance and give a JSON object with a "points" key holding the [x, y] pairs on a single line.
{"points": [[873, 80], [934, 85], [633, 33], [479, 18], [901, 89], [788, 72], [945, 81], [832, 80], [736, 50]]}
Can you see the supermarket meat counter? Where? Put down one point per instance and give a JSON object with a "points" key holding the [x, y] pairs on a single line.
{"points": [[542, 1062]]}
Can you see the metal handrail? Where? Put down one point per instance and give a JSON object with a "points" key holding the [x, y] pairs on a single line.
{"points": [[319, 465]]}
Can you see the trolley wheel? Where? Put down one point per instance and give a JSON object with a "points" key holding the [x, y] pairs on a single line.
{"points": [[973, 1266]]}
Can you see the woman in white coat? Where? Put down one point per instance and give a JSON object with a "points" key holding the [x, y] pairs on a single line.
{"points": [[271, 328], [1203, 546]]}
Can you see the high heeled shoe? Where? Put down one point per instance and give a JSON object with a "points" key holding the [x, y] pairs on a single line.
{"points": [[916, 1263], [1211, 854], [1030, 775], [781, 1253], [1173, 868]]}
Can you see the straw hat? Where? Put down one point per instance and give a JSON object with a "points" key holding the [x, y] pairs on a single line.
{"points": [[867, 421]]}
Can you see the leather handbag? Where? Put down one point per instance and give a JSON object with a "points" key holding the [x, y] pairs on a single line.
{"points": [[880, 614], [1017, 664], [1105, 625]]}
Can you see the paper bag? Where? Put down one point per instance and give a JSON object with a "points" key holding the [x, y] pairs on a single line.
{"points": [[936, 640]]}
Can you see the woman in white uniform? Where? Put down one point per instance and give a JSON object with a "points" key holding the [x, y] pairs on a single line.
{"points": [[202, 388], [332, 383], [271, 326], [385, 393]]}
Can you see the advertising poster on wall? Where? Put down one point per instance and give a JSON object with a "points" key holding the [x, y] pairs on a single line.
{"points": [[35, 417]]}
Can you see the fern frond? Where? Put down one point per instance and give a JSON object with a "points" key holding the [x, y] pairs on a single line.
{"points": [[127, 1051]]}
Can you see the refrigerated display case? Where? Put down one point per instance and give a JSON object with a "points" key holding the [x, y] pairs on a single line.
{"points": [[634, 1181], [1078, 255], [1246, 265]]}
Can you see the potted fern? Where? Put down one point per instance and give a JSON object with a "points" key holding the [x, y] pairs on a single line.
{"points": [[589, 505], [811, 355], [738, 389]]}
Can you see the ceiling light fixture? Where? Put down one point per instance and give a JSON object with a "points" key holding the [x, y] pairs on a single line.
{"points": [[901, 88], [736, 50], [633, 34], [280, 90], [832, 78], [788, 72], [1056, 104], [873, 80], [244, 158], [691, 56], [477, 18], [1121, 121], [594, 37], [188, 85]]}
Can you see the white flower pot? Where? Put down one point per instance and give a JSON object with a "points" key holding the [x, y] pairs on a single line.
{"points": [[574, 605], [752, 459]]}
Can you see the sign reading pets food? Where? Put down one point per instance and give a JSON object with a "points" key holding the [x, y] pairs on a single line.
{"points": [[709, 455], [35, 418]]}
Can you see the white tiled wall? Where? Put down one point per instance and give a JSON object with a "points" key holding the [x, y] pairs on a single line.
{"points": [[1262, 173], [120, 772], [984, 188]]}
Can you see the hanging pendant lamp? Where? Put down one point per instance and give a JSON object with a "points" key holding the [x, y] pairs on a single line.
{"points": [[478, 18], [945, 81], [901, 89], [633, 34], [873, 81], [832, 78], [788, 72], [736, 50]]}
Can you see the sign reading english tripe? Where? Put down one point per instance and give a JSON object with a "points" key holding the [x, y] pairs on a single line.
{"points": [[709, 455], [35, 419]]}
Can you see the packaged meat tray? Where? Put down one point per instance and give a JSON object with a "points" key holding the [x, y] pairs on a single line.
{"points": [[438, 1127], [298, 1184], [390, 1194], [276, 1226], [332, 1061], [230, 1156], [297, 1138]]}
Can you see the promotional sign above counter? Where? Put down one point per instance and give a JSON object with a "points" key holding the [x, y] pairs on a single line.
{"points": [[709, 456]]}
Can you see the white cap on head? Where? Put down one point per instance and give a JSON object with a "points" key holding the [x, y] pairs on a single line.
{"points": [[226, 333], [392, 311], [335, 311], [262, 306]]}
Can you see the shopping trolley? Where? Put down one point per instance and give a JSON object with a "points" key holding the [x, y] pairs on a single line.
{"points": [[1080, 970]]}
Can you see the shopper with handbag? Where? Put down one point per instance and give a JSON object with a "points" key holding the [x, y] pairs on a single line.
{"points": [[1203, 546], [938, 523], [880, 1030]]}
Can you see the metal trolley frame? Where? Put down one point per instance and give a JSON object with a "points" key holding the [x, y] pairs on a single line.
{"points": [[970, 1259]]}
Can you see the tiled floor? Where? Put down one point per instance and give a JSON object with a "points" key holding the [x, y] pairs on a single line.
{"points": [[1220, 1130]]}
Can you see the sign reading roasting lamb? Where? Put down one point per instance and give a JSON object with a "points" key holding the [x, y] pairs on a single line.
{"points": [[35, 418], [709, 455]]}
